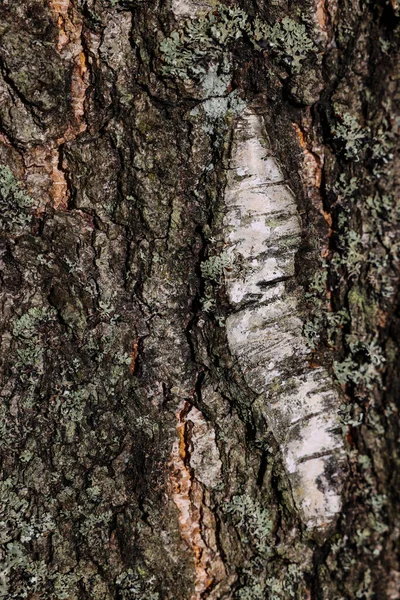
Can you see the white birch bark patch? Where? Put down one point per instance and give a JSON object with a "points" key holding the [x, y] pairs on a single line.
{"points": [[262, 229], [188, 8]]}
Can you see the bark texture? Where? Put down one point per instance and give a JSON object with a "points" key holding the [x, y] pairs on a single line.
{"points": [[199, 262]]}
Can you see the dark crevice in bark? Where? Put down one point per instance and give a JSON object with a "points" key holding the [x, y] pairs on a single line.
{"points": [[7, 75]]}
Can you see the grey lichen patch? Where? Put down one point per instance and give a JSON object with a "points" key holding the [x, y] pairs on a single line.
{"points": [[253, 519], [364, 364], [217, 109], [202, 40], [350, 133], [137, 584], [215, 267], [206, 38], [360, 254], [18, 527], [287, 37], [216, 80], [15, 204], [265, 332]]}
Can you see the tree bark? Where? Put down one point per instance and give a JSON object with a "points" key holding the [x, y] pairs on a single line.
{"points": [[199, 300]]}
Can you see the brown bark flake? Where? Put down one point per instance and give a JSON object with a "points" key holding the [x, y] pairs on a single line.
{"points": [[189, 496]]}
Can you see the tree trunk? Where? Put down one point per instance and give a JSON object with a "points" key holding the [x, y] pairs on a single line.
{"points": [[199, 308]]}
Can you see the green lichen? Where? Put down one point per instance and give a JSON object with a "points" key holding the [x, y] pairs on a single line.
{"points": [[286, 37], [345, 188], [363, 365], [216, 109], [318, 306], [254, 520], [287, 586], [15, 204], [290, 584], [214, 270], [215, 267], [253, 591], [137, 585], [352, 257], [349, 132], [18, 528], [204, 41], [188, 52], [30, 343]]}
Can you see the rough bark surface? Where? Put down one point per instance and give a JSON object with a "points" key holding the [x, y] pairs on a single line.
{"points": [[199, 263]]}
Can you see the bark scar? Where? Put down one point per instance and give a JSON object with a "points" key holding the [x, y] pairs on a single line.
{"points": [[134, 355], [265, 334], [189, 496]]}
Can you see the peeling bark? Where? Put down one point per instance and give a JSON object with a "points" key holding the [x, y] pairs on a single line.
{"points": [[265, 333], [195, 463]]}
